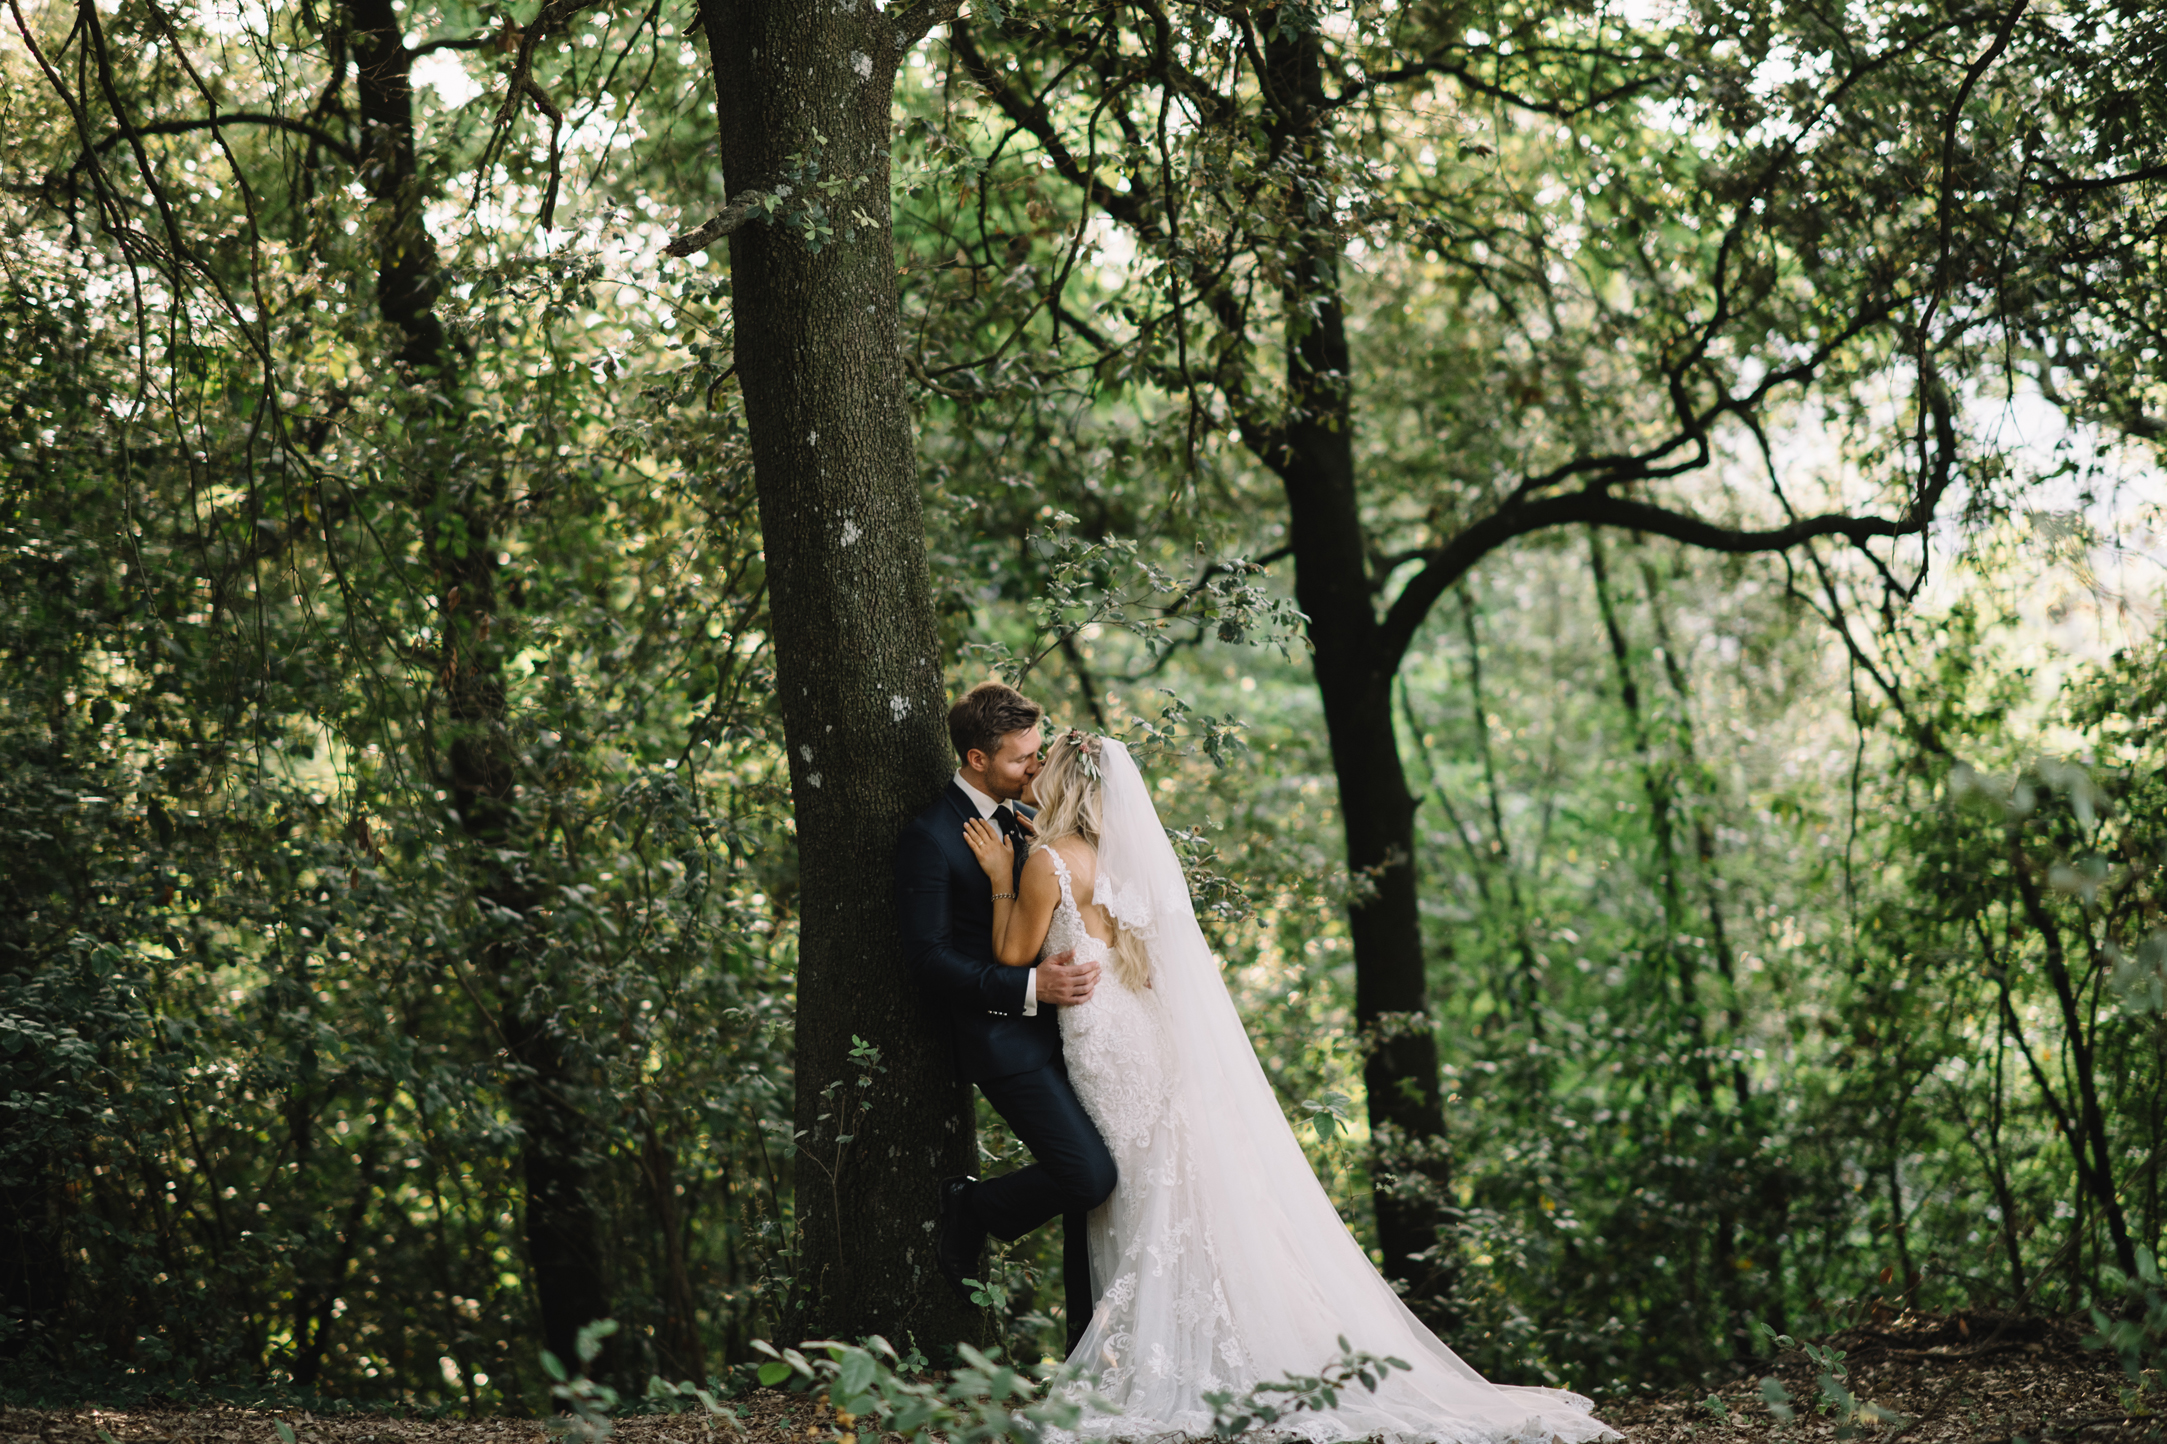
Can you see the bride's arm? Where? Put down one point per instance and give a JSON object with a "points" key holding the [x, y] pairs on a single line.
{"points": [[1019, 926]]}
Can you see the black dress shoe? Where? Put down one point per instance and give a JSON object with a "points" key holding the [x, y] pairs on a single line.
{"points": [[958, 1238]]}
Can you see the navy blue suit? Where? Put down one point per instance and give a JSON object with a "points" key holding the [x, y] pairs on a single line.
{"points": [[946, 912], [945, 907]]}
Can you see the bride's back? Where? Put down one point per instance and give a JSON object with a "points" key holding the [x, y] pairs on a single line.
{"points": [[1083, 871]]}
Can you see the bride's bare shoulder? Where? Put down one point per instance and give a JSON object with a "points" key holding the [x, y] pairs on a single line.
{"points": [[1082, 859]]}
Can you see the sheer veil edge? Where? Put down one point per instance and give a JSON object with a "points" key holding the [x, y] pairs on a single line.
{"points": [[1294, 1277]]}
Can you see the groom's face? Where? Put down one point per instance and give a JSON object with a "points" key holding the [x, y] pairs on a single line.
{"points": [[1013, 764]]}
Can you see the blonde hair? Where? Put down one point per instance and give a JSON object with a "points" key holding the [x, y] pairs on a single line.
{"points": [[1068, 806]]}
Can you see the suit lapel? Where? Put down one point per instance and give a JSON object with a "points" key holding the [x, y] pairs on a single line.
{"points": [[960, 803], [958, 800], [962, 862]]}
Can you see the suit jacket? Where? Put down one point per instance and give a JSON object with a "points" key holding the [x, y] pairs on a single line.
{"points": [[945, 906]]}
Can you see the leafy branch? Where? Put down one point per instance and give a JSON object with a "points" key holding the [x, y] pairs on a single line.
{"points": [[800, 199], [1108, 583], [873, 1391], [1268, 1403]]}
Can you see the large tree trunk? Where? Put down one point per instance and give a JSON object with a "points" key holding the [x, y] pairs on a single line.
{"points": [[1314, 458], [679, 1349], [857, 653], [563, 1233]]}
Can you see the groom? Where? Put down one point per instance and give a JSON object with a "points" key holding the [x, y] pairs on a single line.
{"points": [[1003, 1020]]}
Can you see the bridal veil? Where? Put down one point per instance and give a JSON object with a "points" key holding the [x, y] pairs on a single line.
{"points": [[1224, 1264]]}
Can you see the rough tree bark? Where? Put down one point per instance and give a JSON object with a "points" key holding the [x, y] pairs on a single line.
{"points": [[857, 653]]}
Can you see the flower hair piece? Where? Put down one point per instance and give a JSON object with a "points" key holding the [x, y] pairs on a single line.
{"points": [[1087, 746]]}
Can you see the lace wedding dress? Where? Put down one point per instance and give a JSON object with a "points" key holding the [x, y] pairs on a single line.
{"points": [[1219, 1262]]}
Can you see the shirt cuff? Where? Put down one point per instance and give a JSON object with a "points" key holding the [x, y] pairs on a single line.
{"points": [[1030, 994]]}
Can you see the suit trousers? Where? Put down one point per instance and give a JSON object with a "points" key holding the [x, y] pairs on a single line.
{"points": [[1072, 1174]]}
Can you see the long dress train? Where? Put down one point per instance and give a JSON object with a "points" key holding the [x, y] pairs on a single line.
{"points": [[1219, 1262]]}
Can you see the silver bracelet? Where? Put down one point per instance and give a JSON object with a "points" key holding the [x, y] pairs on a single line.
{"points": [[1004, 897]]}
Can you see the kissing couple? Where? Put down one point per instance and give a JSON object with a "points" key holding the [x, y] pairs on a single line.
{"points": [[1046, 916]]}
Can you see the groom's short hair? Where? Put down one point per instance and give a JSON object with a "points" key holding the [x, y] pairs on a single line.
{"points": [[986, 714]]}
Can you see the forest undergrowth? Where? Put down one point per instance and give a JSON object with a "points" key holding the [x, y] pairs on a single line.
{"points": [[1925, 1378]]}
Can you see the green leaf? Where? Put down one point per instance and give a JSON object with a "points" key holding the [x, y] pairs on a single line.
{"points": [[855, 1374]]}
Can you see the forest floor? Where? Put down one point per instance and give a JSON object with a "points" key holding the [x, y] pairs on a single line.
{"points": [[1977, 1379], [1981, 1379]]}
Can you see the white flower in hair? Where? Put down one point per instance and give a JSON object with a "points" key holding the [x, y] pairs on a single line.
{"points": [[1087, 745]]}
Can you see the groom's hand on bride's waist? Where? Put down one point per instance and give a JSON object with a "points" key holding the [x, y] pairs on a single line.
{"points": [[1064, 982]]}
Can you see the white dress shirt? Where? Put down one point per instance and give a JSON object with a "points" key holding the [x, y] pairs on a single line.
{"points": [[986, 807]]}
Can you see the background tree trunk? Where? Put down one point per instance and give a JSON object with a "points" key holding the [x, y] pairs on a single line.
{"points": [[34, 1204], [804, 94], [1314, 459], [480, 761]]}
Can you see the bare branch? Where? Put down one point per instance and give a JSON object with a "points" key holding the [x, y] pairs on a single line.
{"points": [[914, 22], [322, 137], [470, 42], [1945, 210], [1134, 208], [1465, 75], [731, 217], [552, 16], [1595, 507], [2108, 182], [548, 107]]}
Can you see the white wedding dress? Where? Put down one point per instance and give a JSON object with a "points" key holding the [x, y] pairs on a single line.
{"points": [[1219, 1263]]}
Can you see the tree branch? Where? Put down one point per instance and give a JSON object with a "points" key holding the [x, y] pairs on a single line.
{"points": [[470, 42], [1134, 208], [323, 138], [1424, 69], [1448, 563], [916, 21], [730, 218], [2101, 183], [552, 17], [1945, 208]]}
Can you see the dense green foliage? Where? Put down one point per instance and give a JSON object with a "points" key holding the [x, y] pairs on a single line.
{"points": [[1794, 937], [268, 1102]]}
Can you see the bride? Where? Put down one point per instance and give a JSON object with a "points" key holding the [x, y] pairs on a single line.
{"points": [[1218, 1263]]}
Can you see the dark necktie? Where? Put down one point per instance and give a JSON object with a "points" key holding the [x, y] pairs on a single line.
{"points": [[1006, 820]]}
